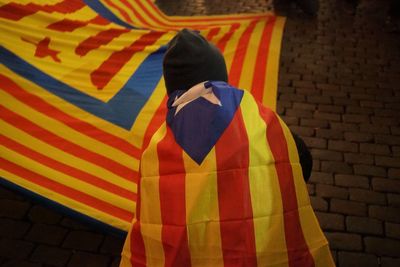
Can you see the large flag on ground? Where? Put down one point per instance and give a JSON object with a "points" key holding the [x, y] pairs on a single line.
{"points": [[82, 92]]}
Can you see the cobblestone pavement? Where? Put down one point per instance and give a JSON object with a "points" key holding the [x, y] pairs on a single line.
{"points": [[338, 89]]}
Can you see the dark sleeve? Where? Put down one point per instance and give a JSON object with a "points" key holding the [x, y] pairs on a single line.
{"points": [[306, 161]]}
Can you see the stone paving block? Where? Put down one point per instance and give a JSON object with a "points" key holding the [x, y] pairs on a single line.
{"points": [[344, 127], [378, 149], [352, 181], [344, 146], [389, 214], [394, 173], [84, 259], [387, 139], [369, 170], [348, 207], [367, 196], [13, 228], [6, 193], [314, 123], [359, 158], [336, 167], [329, 133], [299, 113], [330, 191], [331, 108], [356, 118], [70, 223], [20, 263], [318, 203], [391, 162], [304, 106], [364, 225], [311, 189], [112, 245], [386, 185], [53, 256], [313, 142], [47, 234], [393, 200], [374, 128], [390, 262], [321, 178], [352, 259], [392, 230], [15, 249], [40, 214], [302, 131], [382, 246], [358, 137], [324, 154], [83, 240], [344, 241], [115, 262], [327, 116], [14, 209], [330, 221]]}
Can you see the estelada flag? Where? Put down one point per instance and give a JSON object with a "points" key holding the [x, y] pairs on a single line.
{"points": [[221, 185], [81, 93]]}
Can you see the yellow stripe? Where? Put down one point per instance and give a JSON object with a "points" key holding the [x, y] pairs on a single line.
{"points": [[65, 201], [313, 234], [67, 107], [202, 212], [66, 180], [271, 83], [246, 76], [265, 191], [126, 250], [60, 129], [231, 46], [150, 210], [59, 155]]}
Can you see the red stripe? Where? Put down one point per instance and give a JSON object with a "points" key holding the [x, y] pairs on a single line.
{"points": [[16, 11], [67, 25], [120, 10], [101, 38], [66, 169], [83, 127], [102, 75], [99, 20], [65, 190], [224, 40], [212, 33], [240, 53], [155, 123], [234, 197], [67, 146], [136, 14], [151, 15], [172, 202], [257, 87], [298, 251]]}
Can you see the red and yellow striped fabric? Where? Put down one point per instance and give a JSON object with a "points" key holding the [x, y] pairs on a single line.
{"points": [[81, 93], [244, 205]]}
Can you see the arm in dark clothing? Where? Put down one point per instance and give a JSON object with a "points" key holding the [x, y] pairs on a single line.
{"points": [[306, 161]]}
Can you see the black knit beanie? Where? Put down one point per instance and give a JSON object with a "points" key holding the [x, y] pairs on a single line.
{"points": [[191, 59]]}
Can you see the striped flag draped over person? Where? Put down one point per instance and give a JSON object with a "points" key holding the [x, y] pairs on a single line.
{"points": [[81, 93], [220, 183]]}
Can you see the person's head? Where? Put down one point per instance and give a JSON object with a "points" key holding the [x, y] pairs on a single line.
{"points": [[190, 59]]}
